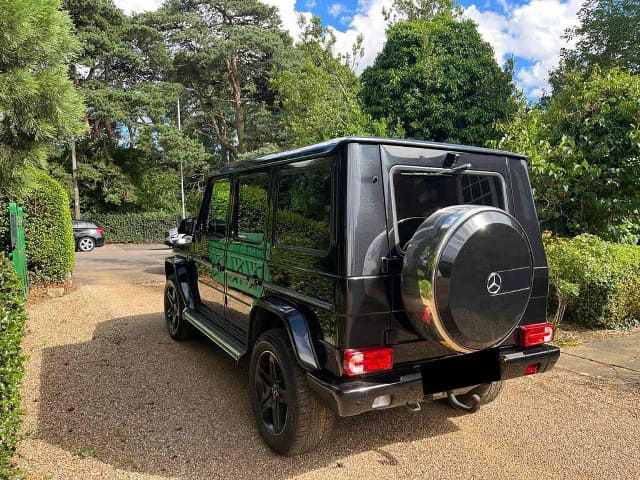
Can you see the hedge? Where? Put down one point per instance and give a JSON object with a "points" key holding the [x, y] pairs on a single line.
{"points": [[593, 282], [134, 227], [12, 319], [47, 226]]}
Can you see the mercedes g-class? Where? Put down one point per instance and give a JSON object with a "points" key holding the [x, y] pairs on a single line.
{"points": [[362, 274]]}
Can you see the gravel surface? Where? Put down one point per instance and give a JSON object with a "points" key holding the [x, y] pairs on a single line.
{"points": [[108, 395]]}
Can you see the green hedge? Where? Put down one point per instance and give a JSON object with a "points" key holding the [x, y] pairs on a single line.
{"points": [[593, 282], [12, 318], [134, 227], [47, 224]]}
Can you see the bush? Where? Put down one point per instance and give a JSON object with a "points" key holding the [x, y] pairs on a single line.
{"points": [[596, 282], [134, 227], [12, 318], [48, 233]]}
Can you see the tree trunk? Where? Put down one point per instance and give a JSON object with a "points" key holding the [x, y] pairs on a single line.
{"points": [[74, 174], [236, 91]]}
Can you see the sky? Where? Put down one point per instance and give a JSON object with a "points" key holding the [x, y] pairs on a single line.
{"points": [[529, 30]]}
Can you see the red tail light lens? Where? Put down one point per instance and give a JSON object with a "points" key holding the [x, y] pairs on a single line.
{"points": [[537, 334], [100, 230], [531, 369], [366, 360]]}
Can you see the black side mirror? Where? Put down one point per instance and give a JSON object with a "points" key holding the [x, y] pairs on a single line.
{"points": [[188, 226]]}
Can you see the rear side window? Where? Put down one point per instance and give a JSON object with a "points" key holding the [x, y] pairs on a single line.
{"points": [[252, 207], [303, 217], [218, 209], [418, 194]]}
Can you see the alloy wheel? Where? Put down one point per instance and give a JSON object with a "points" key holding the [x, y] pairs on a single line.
{"points": [[271, 392], [172, 308], [86, 244]]}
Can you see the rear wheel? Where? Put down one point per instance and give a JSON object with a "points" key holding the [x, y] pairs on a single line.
{"points": [[288, 416], [179, 329], [86, 244]]}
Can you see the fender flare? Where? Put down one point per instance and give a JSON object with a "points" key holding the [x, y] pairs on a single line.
{"points": [[181, 268], [295, 324]]}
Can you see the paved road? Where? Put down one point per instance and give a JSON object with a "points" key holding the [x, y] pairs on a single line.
{"points": [[107, 395]]}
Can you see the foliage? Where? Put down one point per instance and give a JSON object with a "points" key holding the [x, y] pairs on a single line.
{"points": [[607, 37], [12, 320], [224, 51], [416, 10], [319, 92], [584, 150], [134, 227], [438, 79], [38, 104], [596, 281], [47, 228]]}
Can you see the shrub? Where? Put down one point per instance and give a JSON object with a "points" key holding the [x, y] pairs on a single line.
{"points": [[134, 227], [47, 229], [593, 282], [48, 232], [12, 318]]}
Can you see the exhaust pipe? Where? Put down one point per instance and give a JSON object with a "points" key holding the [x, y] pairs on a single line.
{"points": [[414, 406], [457, 404]]}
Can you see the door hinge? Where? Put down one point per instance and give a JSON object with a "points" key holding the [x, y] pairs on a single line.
{"points": [[391, 264]]}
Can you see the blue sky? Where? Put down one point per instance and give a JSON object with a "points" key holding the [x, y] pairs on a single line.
{"points": [[529, 30]]}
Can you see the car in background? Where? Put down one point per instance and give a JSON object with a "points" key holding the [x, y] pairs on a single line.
{"points": [[171, 236], [87, 235]]}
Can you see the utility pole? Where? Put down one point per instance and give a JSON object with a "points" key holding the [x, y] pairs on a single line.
{"points": [[184, 212], [74, 176]]}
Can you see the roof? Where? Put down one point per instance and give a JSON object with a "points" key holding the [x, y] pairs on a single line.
{"points": [[326, 148]]}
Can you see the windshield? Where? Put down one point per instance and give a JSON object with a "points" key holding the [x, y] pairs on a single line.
{"points": [[419, 193]]}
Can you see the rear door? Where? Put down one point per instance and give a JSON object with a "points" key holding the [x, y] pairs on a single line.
{"points": [[245, 260]]}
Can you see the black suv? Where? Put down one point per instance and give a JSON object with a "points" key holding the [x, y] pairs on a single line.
{"points": [[365, 273], [87, 235]]}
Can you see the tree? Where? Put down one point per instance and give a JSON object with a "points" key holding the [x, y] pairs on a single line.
{"points": [[225, 51], [438, 79], [584, 149], [607, 36], [38, 103], [319, 91], [413, 10]]}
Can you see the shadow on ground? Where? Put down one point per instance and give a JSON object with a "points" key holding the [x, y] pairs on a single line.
{"points": [[135, 399]]}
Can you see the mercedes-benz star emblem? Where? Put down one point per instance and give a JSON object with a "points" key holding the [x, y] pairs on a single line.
{"points": [[494, 283]]}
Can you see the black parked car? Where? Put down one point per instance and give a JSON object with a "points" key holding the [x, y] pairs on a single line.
{"points": [[87, 235], [362, 274]]}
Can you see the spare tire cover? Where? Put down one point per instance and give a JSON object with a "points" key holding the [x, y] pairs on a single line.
{"points": [[467, 277]]}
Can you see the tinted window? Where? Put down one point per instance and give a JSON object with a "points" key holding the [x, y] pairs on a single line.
{"points": [[252, 207], [418, 194], [218, 209], [304, 205]]}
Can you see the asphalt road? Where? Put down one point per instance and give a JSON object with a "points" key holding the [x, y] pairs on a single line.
{"points": [[108, 395]]}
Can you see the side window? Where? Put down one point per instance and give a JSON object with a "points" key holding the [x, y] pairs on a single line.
{"points": [[252, 207], [303, 216], [218, 209]]}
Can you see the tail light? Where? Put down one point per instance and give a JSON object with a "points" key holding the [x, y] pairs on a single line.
{"points": [[100, 230], [537, 334], [366, 360]]}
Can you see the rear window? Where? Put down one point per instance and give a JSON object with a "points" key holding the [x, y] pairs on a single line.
{"points": [[418, 194]]}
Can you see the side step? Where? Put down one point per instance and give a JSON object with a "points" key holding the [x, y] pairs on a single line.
{"points": [[214, 329]]}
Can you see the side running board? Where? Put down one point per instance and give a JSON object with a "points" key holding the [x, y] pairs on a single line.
{"points": [[215, 331]]}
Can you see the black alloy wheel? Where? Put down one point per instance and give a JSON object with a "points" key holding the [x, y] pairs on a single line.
{"points": [[272, 392], [178, 327]]}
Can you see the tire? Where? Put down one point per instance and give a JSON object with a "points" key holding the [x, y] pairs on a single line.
{"points": [[301, 422], [179, 329], [86, 244], [487, 392]]}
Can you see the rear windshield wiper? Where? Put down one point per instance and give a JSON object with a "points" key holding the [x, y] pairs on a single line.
{"points": [[454, 170]]}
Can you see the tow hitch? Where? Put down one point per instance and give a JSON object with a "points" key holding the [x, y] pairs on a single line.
{"points": [[455, 403]]}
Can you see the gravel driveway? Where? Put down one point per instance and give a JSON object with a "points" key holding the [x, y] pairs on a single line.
{"points": [[108, 395]]}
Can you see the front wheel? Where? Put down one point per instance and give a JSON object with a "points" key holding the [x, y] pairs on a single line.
{"points": [[86, 244], [179, 329], [289, 418]]}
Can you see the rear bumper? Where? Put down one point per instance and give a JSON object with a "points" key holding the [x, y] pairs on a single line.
{"points": [[348, 396], [100, 242]]}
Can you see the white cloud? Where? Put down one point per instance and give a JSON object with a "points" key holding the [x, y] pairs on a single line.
{"points": [[336, 9], [310, 4], [130, 6], [289, 15], [532, 31]]}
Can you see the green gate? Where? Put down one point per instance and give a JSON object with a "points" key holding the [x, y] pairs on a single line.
{"points": [[18, 254]]}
